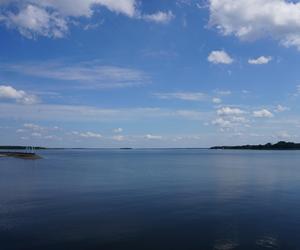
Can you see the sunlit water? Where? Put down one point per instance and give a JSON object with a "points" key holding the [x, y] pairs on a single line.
{"points": [[151, 199]]}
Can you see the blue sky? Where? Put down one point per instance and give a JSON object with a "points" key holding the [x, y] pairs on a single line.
{"points": [[116, 73]]}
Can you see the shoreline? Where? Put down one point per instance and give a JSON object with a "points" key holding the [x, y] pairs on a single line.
{"points": [[20, 155]]}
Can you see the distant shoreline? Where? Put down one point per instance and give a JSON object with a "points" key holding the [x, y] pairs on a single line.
{"points": [[282, 145], [67, 148]]}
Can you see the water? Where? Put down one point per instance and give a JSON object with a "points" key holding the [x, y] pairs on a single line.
{"points": [[151, 199]]}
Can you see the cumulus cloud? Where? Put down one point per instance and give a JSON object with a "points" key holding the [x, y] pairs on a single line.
{"points": [[239, 119], [38, 131], [118, 130], [19, 96], [254, 19], [260, 60], [263, 113], [33, 20], [281, 108], [52, 18], [225, 111], [78, 8], [185, 96], [219, 57], [230, 118], [221, 122], [216, 100], [159, 17]]}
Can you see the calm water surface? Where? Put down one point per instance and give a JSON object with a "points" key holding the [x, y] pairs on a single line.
{"points": [[151, 199]]}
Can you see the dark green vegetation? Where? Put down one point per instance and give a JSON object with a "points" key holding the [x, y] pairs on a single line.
{"points": [[282, 145]]}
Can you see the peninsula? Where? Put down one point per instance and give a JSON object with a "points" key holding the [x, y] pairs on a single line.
{"points": [[282, 145], [20, 152], [20, 155], [20, 148]]}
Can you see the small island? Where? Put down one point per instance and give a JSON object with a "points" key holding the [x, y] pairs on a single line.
{"points": [[282, 145]]}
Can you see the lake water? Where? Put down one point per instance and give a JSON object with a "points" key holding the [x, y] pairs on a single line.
{"points": [[151, 199]]}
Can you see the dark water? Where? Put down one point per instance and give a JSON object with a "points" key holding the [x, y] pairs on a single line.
{"points": [[151, 199]]}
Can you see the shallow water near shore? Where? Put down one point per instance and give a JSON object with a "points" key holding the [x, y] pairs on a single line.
{"points": [[151, 199]]}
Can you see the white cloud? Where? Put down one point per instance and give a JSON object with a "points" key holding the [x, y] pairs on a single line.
{"points": [[118, 130], [239, 119], [41, 136], [229, 118], [37, 128], [219, 57], [159, 17], [254, 19], [33, 127], [126, 7], [216, 100], [90, 135], [223, 92], [85, 8], [37, 131], [20, 96], [263, 113], [118, 138], [52, 112], [33, 20], [260, 60], [186, 96], [52, 137], [36, 134], [51, 18], [221, 122], [228, 111], [281, 108], [89, 74], [153, 137]]}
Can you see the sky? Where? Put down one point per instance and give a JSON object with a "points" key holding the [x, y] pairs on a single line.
{"points": [[138, 73]]}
